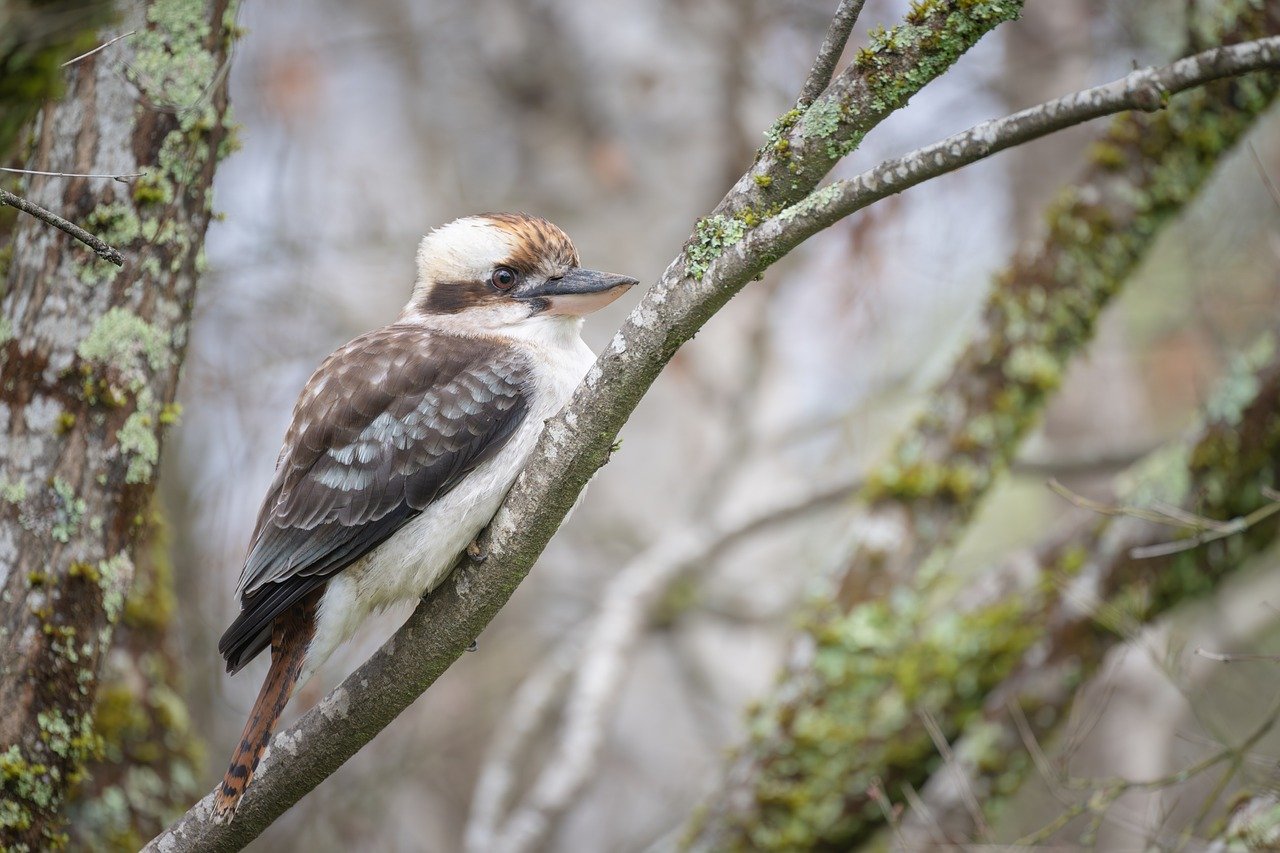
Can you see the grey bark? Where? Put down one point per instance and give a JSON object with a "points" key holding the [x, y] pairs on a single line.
{"points": [[89, 361]]}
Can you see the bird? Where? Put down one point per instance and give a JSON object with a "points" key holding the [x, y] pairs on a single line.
{"points": [[401, 447]]}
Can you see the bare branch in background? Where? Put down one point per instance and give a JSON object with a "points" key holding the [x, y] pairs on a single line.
{"points": [[100, 248], [824, 66], [598, 671], [1225, 658], [1204, 530]]}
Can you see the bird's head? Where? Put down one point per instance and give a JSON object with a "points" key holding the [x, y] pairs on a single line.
{"points": [[500, 269]]}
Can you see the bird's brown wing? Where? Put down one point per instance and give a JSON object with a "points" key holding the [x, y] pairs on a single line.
{"points": [[385, 426]]}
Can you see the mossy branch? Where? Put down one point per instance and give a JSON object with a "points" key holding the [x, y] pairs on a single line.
{"points": [[1073, 599], [782, 790]]}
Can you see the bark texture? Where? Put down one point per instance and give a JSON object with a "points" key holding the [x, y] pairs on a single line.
{"points": [[148, 765], [89, 362]]}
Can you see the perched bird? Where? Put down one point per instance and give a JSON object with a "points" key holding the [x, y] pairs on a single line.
{"points": [[403, 444]]}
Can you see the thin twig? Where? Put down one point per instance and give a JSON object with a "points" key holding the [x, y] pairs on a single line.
{"points": [[102, 46], [824, 65], [1205, 529], [962, 779], [121, 178], [1262, 173], [1225, 658], [100, 248]]}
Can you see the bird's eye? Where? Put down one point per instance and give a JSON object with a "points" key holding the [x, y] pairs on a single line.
{"points": [[504, 278]]}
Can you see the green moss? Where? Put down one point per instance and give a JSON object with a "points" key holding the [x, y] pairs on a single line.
{"points": [[6, 325], [170, 413], [152, 189], [84, 571], [13, 492], [712, 236], [28, 786], [114, 576], [881, 666], [149, 768], [68, 511], [137, 439], [126, 346]]}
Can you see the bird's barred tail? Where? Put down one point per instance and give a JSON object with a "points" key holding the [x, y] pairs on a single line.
{"points": [[290, 636]]}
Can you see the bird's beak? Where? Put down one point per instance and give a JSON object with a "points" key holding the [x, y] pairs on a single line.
{"points": [[579, 292]]}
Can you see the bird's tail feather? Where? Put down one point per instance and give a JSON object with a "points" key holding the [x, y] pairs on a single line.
{"points": [[291, 634]]}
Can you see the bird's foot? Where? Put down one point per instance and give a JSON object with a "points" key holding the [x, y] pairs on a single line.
{"points": [[477, 552]]}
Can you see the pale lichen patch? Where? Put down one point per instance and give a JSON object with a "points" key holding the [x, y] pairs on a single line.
{"points": [[336, 705]]}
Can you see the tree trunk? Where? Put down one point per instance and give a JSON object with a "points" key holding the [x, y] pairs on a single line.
{"points": [[89, 362]]}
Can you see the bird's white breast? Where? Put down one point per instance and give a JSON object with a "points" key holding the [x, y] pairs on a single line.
{"points": [[419, 555]]}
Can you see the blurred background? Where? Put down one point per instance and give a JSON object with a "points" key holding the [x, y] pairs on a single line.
{"points": [[365, 125]]}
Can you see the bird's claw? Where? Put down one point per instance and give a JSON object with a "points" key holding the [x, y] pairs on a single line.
{"points": [[477, 552]]}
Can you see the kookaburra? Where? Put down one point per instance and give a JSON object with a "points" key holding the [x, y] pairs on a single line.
{"points": [[403, 444]]}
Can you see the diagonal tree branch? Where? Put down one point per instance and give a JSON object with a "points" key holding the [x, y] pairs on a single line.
{"points": [[824, 66], [1145, 90], [48, 217], [577, 442]]}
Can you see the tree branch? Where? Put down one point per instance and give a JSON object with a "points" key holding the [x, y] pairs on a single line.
{"points": [[1146, 90], [574, 445], [824, 66], [1091, 588], [598, 672], [100, 248]]}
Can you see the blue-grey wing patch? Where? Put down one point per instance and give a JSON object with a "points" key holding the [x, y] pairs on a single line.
{"points": [[387, 425]]}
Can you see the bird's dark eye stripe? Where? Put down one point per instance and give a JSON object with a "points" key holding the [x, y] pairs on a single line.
{"points": [[504, 278]]}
